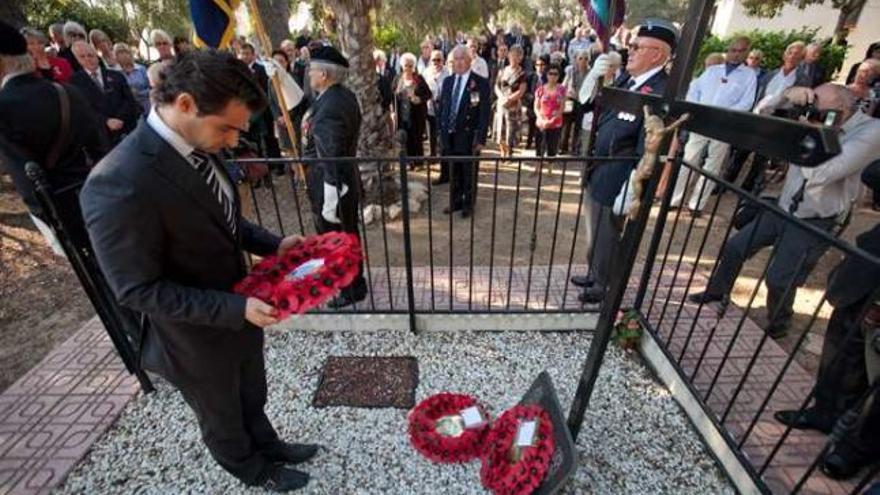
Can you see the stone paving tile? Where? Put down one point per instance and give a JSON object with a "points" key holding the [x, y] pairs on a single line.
{"points": [[51, 416]]}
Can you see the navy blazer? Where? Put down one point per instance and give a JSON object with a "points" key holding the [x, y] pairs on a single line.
{"points": [[472, 120], [115, 101], [619, 134]]}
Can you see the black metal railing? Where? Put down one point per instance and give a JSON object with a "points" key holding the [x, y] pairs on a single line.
{"points": [[514, 253], [739, 373]]}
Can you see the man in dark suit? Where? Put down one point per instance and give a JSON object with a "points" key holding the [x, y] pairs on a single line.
{"points": [[108, 92], [31, 127], [166, 226], [463, 116], [620, 134], [843, 377], [330, 130], [262, 129], [811, 71]]}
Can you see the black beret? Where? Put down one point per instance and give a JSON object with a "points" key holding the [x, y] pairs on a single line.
{"points": [[659, 29], [328, 55], [12, 43]]}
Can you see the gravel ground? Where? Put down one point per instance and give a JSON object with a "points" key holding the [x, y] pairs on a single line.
{"points": [[636, 439]]}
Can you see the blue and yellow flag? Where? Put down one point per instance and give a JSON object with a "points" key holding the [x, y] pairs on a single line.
{"points": [[604, 15], [214, 22]]}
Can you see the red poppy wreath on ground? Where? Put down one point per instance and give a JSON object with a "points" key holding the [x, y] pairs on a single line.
{"points": [[449, 428], [509, 469], [306, 275]]}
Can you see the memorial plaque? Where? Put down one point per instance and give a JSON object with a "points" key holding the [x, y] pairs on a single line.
{"points": [[368, 382], [564, 460]]}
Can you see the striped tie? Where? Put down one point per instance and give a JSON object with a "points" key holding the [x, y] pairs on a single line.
{"points": [[204, 165]]}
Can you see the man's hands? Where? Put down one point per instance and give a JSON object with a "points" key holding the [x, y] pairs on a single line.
{"points": [[288, 242], [115, 124], [800, 96], [260, 313]]}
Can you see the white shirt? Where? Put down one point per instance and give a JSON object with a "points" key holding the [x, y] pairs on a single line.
{"points": [[832, 187], [185, 149], [734, 91], [434, 79], [640, 80], [576, 45], [423, 65], [780, 82], [480, 67], [464, 80]]}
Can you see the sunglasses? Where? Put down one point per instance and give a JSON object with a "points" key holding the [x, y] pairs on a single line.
{"points": [[436, 60]]}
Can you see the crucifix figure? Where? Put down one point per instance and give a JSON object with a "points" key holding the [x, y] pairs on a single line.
{"points": [[655, 132]]}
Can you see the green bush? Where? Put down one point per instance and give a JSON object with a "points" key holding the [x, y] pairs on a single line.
{"points": [[41, 14], [773, 44]]}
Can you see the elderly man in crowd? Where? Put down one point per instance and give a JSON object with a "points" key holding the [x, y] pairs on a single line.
{"points": [[819, 196], [479, 66], [731, 85], [619, 134], [73, 31], [104, 47], [107, 91], [811, 70], [163, 44], [434, 76]]}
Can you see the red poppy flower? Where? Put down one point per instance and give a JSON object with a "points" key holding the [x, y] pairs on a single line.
{"points": [[437, 431], [503, 473], [272, 279]]}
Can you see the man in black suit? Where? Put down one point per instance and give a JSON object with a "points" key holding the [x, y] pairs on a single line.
{"points": [[463, 115], [31, 130], [619, 134], [843, 377], [330, 130], [811, 70], [166, 226], [262, 129], [107, 90]]}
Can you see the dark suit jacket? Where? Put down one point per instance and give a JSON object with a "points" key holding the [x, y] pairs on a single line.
{"points": [[164, 247], [619, 134], [330, 130], [471, 121], [812, 74], [29, 123], [855, 279], [115, 101]]}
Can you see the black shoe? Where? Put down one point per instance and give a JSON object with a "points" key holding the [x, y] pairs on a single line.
{"points": [[844, 462], [347, 298], [592, 295], [810, 419], [449, 210], [582, 281], [290, 453], [439, 182], [704, 298], [466, 212], [284, 479]]}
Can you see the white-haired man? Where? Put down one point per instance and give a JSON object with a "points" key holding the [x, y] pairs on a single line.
{"points": [[163, 44], [73, 31]]}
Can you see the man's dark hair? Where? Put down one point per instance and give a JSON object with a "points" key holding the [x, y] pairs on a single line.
{"points": [[248, 46], [213, 78]]}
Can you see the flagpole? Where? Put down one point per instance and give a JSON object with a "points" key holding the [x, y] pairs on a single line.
{"points": [[266, 45], [612, 11]]}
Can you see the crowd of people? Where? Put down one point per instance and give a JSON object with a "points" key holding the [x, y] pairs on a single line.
{"points": [[75, 99]]}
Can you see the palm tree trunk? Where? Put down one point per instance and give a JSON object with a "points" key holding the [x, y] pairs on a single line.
{"points": [[275, 15], [354, 29]]}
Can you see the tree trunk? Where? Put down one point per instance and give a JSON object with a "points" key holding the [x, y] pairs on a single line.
{"points": [[354, 29], [849, 15], [11, 12], [275, 15]]}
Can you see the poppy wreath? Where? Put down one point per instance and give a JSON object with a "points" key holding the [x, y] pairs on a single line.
{"points": [[426, 437], [271, 280], [505, 473]]}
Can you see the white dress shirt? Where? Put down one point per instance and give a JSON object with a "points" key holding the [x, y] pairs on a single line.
{"points": [[480, 67], [185, 149], [780, 82], [434, 79], [734, 91], [832, 187]]}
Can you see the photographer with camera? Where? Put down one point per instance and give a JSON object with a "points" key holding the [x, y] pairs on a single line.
{"points": [[820, 196]]}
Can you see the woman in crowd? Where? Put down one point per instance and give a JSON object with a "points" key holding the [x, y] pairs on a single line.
{"points": [[135, 74], [572, 113], [873, 53], [104, 47], [411, 102], [281, 57], [549, 103], [866, 86], [510, 88], [53, 68]]}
